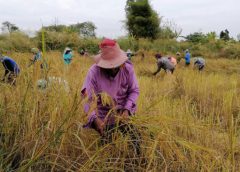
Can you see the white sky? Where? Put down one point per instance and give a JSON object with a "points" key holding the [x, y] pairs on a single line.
{"points": [[190, 15]]}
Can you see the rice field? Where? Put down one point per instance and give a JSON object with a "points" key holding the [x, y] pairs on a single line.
{"points": [[189, 121]]}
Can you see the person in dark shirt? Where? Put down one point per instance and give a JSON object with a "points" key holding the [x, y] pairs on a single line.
{"points": [[12, 69]]}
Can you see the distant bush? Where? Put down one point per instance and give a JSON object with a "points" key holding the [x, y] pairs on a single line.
{"points": [[197, 37], [90, 45], [213, 48], [166, 45], [231, 50], [199, 50], [58, 41], [128, 43], [16, 41]]}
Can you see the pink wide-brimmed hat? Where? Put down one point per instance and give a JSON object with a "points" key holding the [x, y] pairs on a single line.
{"points": [[111, 55]]}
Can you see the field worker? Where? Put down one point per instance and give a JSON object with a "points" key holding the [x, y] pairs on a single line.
{"points": [[199, 63], [164, 63], [82, 52], [187, 57], [67, 56], [12, 69], [112, 75], [173, 61], [129, 54], [178, 57], [37, 55]]}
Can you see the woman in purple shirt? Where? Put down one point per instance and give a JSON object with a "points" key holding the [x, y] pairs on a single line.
{"points": [[113, 75]]}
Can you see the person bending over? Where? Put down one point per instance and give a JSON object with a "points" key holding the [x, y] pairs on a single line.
{"points": [[112, 75], [199, 63], [12, 69], [164, 63]]}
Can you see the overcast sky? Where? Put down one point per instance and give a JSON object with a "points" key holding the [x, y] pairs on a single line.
{"points": [[108, 15]]}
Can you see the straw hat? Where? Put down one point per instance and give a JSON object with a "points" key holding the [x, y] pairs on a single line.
{"points": [[111, 55], [35, 50]]}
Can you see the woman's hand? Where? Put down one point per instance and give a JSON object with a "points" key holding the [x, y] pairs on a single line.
{"points": [[125, 115], [99, 125]]}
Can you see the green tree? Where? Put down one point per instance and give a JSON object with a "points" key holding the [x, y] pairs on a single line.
{"points": [[196, 37], [224, 35], [142, 20], [58, 40], [169, 30], [211, 36], [85, 29], [56, 28], [9, 27]]}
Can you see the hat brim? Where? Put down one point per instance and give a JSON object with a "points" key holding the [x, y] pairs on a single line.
{"points": [[111, 63]]}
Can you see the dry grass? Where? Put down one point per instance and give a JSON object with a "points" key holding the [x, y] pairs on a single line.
{"points": [[189, 121]]}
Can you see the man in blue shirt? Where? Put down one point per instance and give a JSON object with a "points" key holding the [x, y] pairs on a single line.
{"points": [[187, 57], [11, 69]]}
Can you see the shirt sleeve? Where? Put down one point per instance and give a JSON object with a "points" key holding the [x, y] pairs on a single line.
{"points": [[89, 85], [88, 91], [133, 91]]}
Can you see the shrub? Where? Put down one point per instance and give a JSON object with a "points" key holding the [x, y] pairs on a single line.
{"points": [[16, 41], [91, 45], [231, 51], [128, 43], [58, 40]]}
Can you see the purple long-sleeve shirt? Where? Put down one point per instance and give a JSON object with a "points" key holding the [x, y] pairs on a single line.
{"points": [[123, 89]]}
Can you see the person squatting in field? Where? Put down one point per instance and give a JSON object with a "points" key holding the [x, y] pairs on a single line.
{"points": [[114, 75], [199, 63], [67, 56], [164, 63], [12, 69]]}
